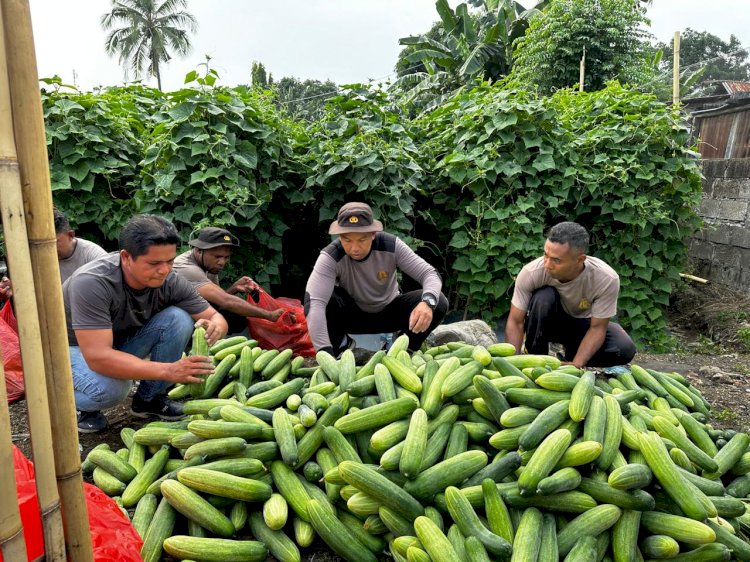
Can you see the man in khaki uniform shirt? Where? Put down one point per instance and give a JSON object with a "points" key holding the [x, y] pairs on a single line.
{"points": [[568, 297]]}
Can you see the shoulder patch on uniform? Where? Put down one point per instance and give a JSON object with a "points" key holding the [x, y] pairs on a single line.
{"points": [[335, 250], [384, 242]]}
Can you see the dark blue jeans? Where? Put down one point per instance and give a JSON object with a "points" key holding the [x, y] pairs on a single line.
{"points": [[547, 322], [164, 338]]}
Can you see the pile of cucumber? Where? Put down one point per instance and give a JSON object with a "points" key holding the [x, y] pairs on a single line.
{"points": [[458, 453]]}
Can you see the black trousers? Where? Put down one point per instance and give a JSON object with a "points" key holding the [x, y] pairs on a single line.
{"points": [[547, 322], [343, 317]]}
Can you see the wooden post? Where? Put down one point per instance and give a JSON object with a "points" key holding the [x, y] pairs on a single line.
{"points": [[33, 211], [676, 69], [582, 70], [12, 543]]}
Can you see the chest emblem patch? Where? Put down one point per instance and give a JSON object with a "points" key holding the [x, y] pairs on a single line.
{"points": [[584, 304], [382, 275]]}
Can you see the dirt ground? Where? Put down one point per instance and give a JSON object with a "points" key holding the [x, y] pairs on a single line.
{"points": [[708, 326]]}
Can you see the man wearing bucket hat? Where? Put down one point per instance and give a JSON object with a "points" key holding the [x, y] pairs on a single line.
{"points": [[210, 252], [353, 287]]}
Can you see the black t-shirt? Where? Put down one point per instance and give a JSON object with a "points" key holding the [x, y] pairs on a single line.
{"points": [[97, 298]]}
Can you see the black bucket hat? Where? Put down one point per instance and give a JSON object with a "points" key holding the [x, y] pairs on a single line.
{"points": [[212, 237]]}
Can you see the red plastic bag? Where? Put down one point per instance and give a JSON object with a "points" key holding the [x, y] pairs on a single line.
{"points": [[112, 536], [288, 332], [11, 354]]}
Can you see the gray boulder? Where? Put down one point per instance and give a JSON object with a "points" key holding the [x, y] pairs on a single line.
{"points": [[474, 332]]}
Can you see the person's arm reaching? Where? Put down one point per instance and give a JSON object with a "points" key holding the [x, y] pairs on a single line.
{"points": [[591, 342], [243, 285], [221, 298], [100, 356], [514, 328]]}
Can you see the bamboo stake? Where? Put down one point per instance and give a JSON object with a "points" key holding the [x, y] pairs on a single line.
{"points": [[49, 317], [14, 229], [676, 69], [12, 542], [582, 70], [16, 242]]}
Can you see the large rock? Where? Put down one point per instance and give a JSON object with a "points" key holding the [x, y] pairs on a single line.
{"points": [[474, 332]]}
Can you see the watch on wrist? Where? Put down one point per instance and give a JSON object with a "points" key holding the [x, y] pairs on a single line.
{"points": [[430, 301]]}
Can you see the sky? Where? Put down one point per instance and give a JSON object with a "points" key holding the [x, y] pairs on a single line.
{"points": [[347, 41]]}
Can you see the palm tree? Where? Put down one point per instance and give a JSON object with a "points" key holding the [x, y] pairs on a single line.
{"points": [[143, 32]]}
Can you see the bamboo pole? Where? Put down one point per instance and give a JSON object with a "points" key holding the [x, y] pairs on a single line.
{"points": [[49, 317], [12, 543], [676, 69], [582, 70], [16, 242], [17, 249]]}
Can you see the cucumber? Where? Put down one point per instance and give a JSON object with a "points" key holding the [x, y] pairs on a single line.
{"points": [[380, 488], [276, 363], [376, 416], [591, 523], [688, 497], [160, 528], [625, 536], [223, 484], [434, 540], [152, 469], [659, 546], [144, 513], [630, 476], [526, 544], [336, 535], [449, 472], [548, 420], [196, 508], [278, 543], [185, 547], [213, 381], [498, 516], [581, 396], [583, 550], [283, 430], [470, 525], [415, 444], [276, 396], [543, 460], [682, 529], [110, 462], [563, 480], [602, 492]]}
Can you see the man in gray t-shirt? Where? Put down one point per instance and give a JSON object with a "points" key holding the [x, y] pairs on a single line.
{"points": [[353, 287], [72, 252], [568, 297], [127, 306]]}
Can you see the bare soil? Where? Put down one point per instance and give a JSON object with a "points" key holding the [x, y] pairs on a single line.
{"points": [[712, 354]]}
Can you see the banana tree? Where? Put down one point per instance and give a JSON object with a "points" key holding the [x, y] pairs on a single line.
{"points": [[464, 47]]}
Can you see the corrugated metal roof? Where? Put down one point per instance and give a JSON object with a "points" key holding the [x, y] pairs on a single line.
{"points": [[731, 86]]}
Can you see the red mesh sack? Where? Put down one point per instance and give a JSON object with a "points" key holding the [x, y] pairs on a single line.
{"points": [[288, 332], [112, 536], [11, 353]]}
